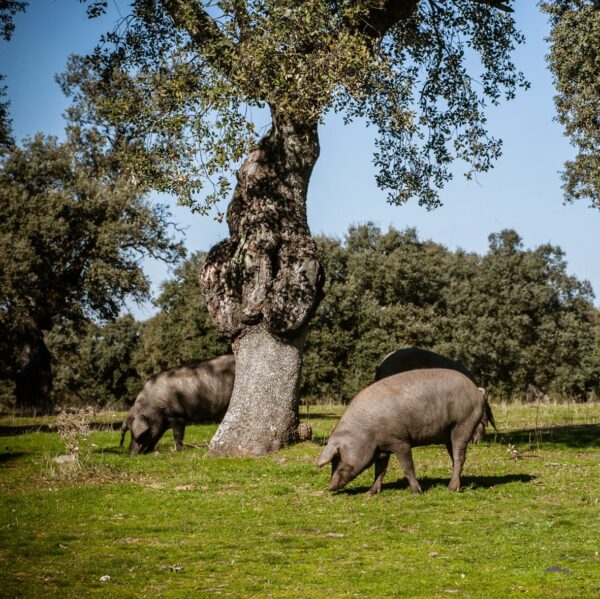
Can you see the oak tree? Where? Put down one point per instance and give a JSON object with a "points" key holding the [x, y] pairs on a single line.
{"points": [[73, 230], [179, 86]]}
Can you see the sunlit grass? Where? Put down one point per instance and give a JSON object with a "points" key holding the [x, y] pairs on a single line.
{"points": [[527, 521]]}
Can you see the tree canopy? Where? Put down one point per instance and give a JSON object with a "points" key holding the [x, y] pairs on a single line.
{"points": [[574, 60], [8, 9], [73, 230], [181, 332], [513, 316], [180, 83]]}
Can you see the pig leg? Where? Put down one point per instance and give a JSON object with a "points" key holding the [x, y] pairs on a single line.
{"points": [[178, 431], [381, 464], [459, 453], [449, 449], [404, 455]]}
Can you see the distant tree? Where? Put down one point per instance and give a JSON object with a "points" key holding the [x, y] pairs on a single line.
{"points": [[573, 59], [519, 319], [182, 331], [383, 291], [514, 317], [96, 364], [73, 229], [180, 80]]}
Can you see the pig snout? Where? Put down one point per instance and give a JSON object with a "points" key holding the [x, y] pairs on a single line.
{"points": [[342, 470]]}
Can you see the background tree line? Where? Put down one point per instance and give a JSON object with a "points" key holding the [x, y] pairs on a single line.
{"points": [[513, 316]]}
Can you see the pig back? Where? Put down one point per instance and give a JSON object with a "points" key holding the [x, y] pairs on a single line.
{"points": [[211, 385], [196, 392], [419, 406], [414, 358]]}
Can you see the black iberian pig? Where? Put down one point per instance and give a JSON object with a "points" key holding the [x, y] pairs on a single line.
{"points": [[413, 358], [172, 398], [418, 407]]}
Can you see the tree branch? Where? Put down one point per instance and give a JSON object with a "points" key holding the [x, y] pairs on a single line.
{"points": [[204, 32], [499, 4], [381, 16]]}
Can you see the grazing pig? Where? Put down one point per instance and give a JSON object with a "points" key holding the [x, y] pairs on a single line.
{"points": [[418, 407], [170, 399], [414, 358]]}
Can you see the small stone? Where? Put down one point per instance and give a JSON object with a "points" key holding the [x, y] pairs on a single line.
{"points": [[104, 578]]}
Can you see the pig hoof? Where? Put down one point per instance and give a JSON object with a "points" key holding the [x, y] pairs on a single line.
{"points": [[455, 487]]}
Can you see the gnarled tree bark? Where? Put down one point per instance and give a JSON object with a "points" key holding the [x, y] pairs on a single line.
{"points": [[262, 286]]}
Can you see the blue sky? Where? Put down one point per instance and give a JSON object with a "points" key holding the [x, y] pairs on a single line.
{"points": [[522, 192]]}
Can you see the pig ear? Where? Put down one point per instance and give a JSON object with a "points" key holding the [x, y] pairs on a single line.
{"points": [[328, 454], [138, 427]]}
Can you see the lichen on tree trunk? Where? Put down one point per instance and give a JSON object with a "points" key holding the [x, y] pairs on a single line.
{"points": [[263, 413], [262, 285]]}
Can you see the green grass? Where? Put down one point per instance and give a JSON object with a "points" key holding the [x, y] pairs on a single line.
{"points": [[181, 525]]}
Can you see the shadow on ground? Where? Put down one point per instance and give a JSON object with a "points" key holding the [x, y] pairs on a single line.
{"points": [[572, 435], [15, 431], [471, 482], [304, 417], [11, 455]]}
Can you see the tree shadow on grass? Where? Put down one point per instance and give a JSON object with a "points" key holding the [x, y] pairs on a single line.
{"points": [[11, 455], [571, 435], [471, 482], [304, 417], [26, 429]]}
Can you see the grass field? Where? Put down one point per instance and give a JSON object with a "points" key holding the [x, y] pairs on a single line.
{"points": [[526, 523]]}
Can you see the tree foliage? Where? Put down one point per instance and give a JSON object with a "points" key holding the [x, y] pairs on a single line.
{"points": [[73, 234], [575, 63], [96, 364], [182, 331], [513, 317], [8, 10], [178, 83], [73, 230]]}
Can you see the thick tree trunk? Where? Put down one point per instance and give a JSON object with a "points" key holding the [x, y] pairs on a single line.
{"points": [[262, 285], [33, 372], [263, 413]]}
